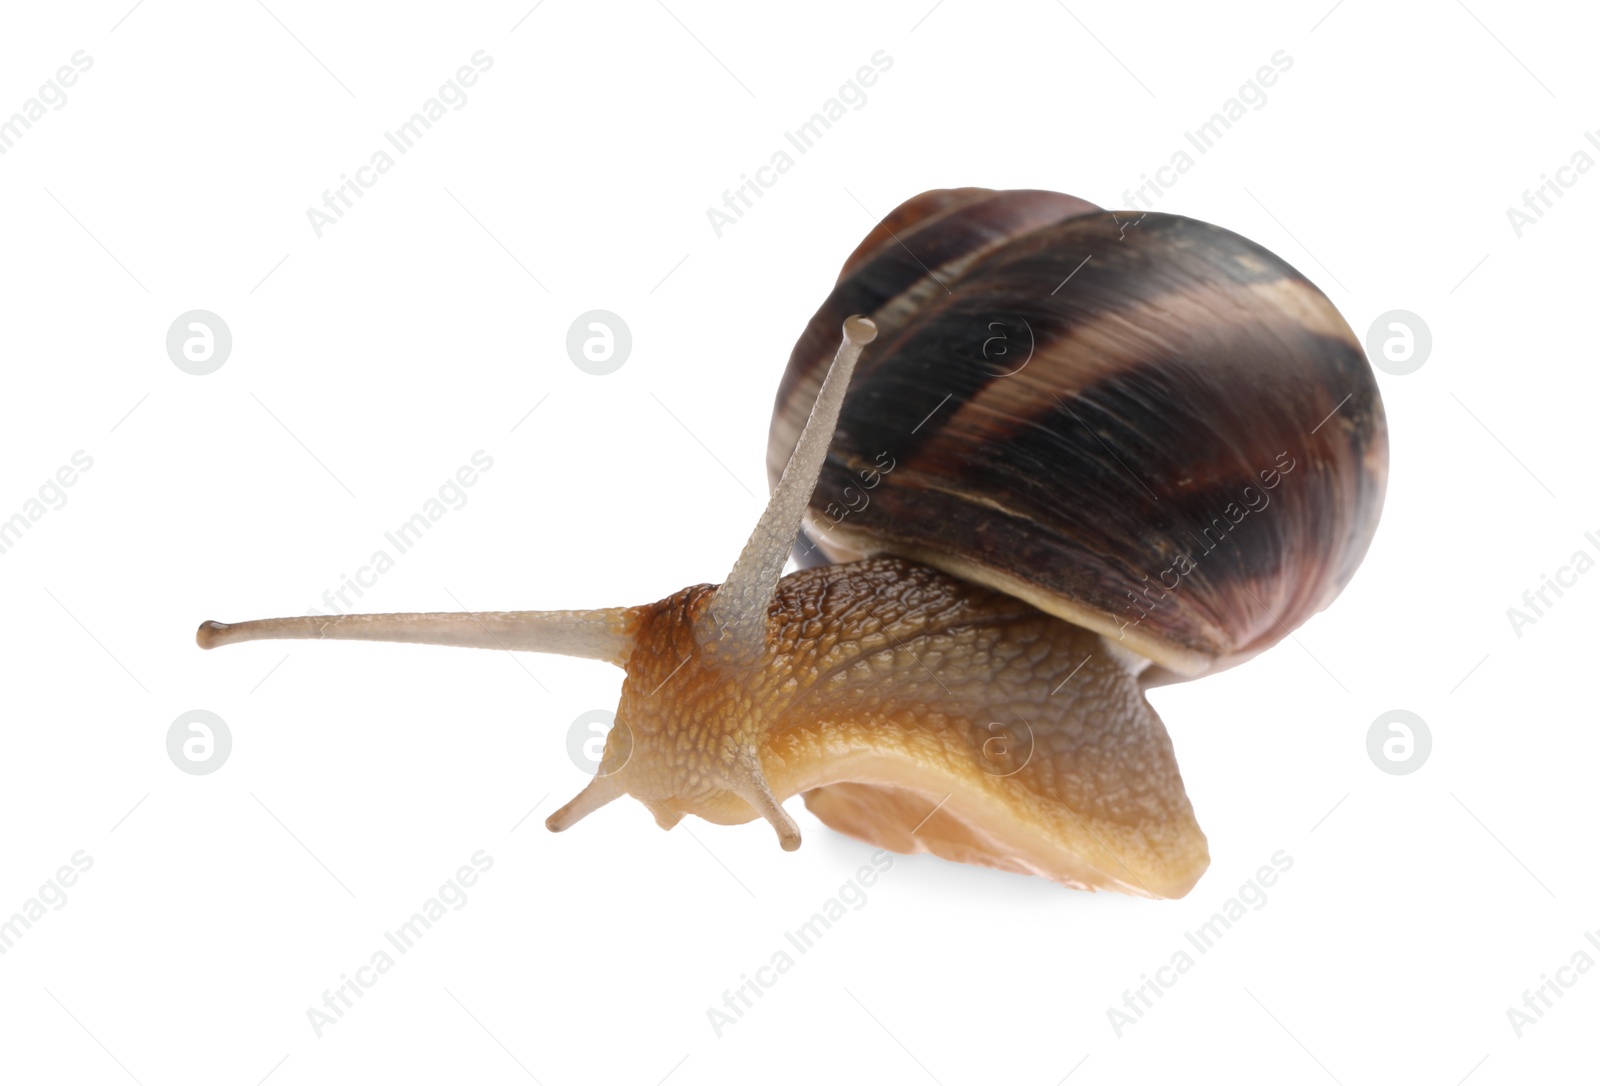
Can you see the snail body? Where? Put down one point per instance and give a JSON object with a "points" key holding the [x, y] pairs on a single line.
{"points": [[1087, 453]]}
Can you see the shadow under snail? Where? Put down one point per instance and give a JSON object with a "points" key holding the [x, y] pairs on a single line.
{"points": [[1083, 453]]}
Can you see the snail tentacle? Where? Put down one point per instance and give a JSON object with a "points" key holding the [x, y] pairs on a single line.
{"points": [[603, 634], [738, 617]]}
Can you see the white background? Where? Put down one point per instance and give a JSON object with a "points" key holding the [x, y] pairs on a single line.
{"points": [[369, 364]]}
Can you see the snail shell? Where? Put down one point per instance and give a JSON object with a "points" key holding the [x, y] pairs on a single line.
{"points": [[1146, 425]]}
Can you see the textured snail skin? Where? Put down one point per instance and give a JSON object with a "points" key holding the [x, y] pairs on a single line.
{"points": [[917, 712]]}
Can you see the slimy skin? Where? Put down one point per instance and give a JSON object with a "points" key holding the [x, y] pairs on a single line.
{"points": [[917, 712]]}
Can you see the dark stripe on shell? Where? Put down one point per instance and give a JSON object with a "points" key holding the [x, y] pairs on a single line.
{"points": [[918, 250], [1173, 370]]}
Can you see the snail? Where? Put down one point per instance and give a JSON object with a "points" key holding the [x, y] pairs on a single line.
{"points": [[1084, 453]]}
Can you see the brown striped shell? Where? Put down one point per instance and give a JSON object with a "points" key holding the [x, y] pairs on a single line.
{"points": [[1143, 424]]}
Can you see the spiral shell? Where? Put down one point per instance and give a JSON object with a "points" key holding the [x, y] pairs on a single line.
{"points": [[1143, 424]]}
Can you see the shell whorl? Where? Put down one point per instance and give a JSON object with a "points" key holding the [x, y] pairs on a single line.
{"points": [[1146, 425]]}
